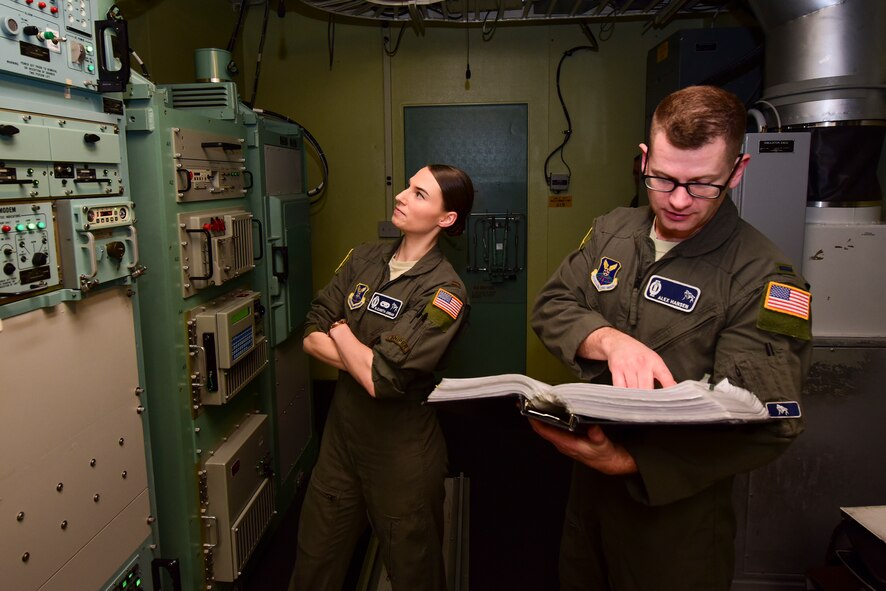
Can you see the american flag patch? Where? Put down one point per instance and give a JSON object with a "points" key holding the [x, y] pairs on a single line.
{"points": [[447, 302], [787, 300]]}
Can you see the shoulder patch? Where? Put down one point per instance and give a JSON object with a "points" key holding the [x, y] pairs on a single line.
{"points": [[586, 238], [343, 261], [785, 309], [443, 309]]}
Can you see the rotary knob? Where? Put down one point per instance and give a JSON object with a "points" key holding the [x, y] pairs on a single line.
{"points": [[116, 250], [39, 259]]}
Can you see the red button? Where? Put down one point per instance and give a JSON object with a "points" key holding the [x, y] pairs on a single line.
{"points": [[7, 229], [53, 10], [29, 1], [42, 5]]}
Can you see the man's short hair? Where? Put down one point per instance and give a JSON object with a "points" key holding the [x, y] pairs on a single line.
{"points": [[697, 115]]}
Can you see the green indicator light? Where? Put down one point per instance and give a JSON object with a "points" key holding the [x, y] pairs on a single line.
{"points": [[20, 228], [41, 225], [32, 226], [91, 68], [30, 171], [138, 582], [125, 584], [48, 35], [89, 49]]}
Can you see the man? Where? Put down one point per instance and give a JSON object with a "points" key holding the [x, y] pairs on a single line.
{"points": [[678, 290]]}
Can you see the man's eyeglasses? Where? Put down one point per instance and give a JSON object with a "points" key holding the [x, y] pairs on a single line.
{"points": [[697, 190]]}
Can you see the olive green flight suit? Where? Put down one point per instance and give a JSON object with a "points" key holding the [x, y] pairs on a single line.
{"points": [[384, 457], [672, 524]]}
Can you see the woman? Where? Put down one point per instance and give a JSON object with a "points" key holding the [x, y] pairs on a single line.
{"points": [[385, 321]]}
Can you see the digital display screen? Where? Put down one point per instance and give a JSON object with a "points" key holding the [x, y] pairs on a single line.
{"points": [[237, 317]]}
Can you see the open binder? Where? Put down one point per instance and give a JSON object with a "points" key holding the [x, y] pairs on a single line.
{"points": [[571, 405]]}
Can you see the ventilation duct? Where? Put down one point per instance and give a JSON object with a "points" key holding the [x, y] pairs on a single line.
{"points": [[489, 12], [825, 61]]}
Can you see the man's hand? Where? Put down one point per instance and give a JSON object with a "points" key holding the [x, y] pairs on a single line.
{"points": [[593, 449], [631, 363]]}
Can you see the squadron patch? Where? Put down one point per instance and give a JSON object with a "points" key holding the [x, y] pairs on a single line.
{"points": [[673, 294], [604, 278], [357, 297], [384, 305]]}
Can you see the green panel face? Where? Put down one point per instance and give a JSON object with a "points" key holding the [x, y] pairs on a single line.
{"points": [[489, 142]]}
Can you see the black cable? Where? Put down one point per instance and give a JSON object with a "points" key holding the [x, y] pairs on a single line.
{"points": [[392, 52], [261, 47], [487, 34], [568, 132], [330, 38], [314, 143], [236, 33]]}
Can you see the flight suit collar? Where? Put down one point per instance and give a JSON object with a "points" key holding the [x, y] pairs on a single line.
{"points": [[713, 235], [427, 263]]}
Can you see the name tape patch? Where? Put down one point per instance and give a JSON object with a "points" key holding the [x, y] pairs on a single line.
{"points": [[385, 305], [673, 294]]}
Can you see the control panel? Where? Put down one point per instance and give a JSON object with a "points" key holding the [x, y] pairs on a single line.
{"points": [[216, 246], [28, 253], [208, 166], [228, 346], [50, 40], [44, 156], [98, 242]]}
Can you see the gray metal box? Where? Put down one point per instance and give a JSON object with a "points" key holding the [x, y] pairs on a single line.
{"points": [[772, 193], [240, 497]]}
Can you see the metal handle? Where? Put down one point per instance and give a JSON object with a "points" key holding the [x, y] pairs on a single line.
{"points": [[222, 145], [188, 175], [133, 239], [209, 528], [282, 274], [251, 179], [208, 249], [93, 261], [112, 80], [261, 241]]}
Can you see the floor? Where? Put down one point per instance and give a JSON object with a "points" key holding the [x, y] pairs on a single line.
{"points": [[518, 486]]}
